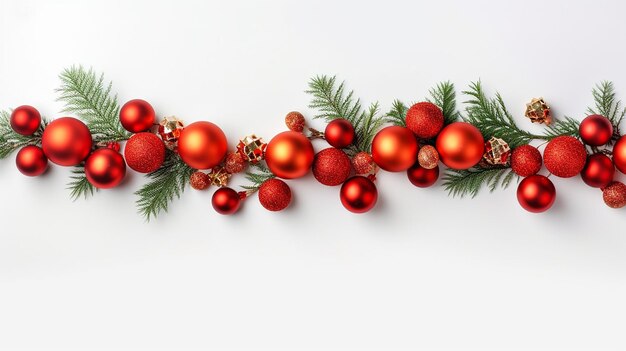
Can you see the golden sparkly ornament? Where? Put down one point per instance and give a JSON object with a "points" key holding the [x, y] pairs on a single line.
{"points": [[428, 157], [497, 152], [169, 130], [218, 176], [252, 148], [538, 111]]}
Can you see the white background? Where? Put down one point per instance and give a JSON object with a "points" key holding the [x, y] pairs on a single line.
{"points": [[422, 270]]}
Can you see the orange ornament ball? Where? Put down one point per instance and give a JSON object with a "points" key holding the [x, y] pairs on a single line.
{"points": [[460, 145], [619, 154], [202, 145], [66, 141], [289, 155], [105, 168], [394, 149]]}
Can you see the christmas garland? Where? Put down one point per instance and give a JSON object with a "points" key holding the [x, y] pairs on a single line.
{"points": [[482, 147]]}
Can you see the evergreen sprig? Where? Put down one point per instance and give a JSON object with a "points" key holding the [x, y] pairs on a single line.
{"points": [[11, 141], [166, 183], [397, 114], [469, 182], [565, 126], [79, 186], [444, 96], [257, 177], [608, 106]]}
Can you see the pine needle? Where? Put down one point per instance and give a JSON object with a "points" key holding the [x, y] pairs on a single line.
{"points": [[79, 186], [444, 96], [566, 126], [10, 141], [608, 106], [469, 182], [397, 114], [258, 177]]}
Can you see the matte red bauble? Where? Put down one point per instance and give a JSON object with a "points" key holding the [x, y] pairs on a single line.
{"points": [[66, 141], [565, 156], [25, 120], [289, 155], [460, 145], [619, 154], [394, 149], [526, 160], [536, 193], [225, 201], [274, 195], [202, 145], [137, 116], [424, 119], [144, 152], [339, 133], [596, 130], [598, 171], [358, 194], [105, 168], [31, 161], [331, 166], [422, 177]]}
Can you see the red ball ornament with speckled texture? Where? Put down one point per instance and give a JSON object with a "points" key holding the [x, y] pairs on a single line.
{"points": [[424, 119], [598, 171], [565, 156], [614, 195], [394, 149], [619, 154], [225, 201], [596, 130], [536, 193], [295, 121], [363, 163], [358, 194], [339, 133], [66, 141], [31, 161], [144, 152], [289, 155], [274, 195], [105, 168], [460, 145], [526, 160], [202, 145], [422, 177], [25, 120], [137, 116], [331, 167]]}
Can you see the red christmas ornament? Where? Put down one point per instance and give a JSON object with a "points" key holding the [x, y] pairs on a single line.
{"points": [[596, 130], [424, 119], [358, 194], [422, 177], [225, 201], [202, 145], [363, 163], [105, 168], [144, 152], [289, 155], [199, 180], [274, 195], [460, 145], [619, 154], [137, 116], [234, 163], [331, 166], [395, 149], [536, 193], [339, 133], [31, 161], [598, 171], [526, 160], [565, 156], [295, 121], [66, 141], [614, 195], [25, 120]]}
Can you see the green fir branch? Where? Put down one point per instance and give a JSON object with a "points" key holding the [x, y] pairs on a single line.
{"points": [[397, 114], [79, 186], [10, 141], [566, 126], [469, 182], [444, 96], [257, 177], [608, 106]]}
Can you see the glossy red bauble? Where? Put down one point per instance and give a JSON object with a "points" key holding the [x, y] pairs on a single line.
{"points": [[137, 116], [394, 149], [619, 154], [460, 145], [526, 160], [31, 161], [144, 152], [339, 133], [225, 201], [422, 177], [598, 171], [596, 130], [424, 119], [565, 156], [202, 145], [25, 120], [105, 168], [331, 166], [274, 195], [289, 155], [66, 141], [358, 194], [536, 193]]}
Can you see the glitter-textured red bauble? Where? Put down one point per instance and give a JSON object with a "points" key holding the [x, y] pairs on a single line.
{"points": [[202, 145], [358, 194], [234, 163], [526, 160], [31, 161], [105, 168], [460, 145], [363, 163], [424, 119], [394, 149], [339, 133], [199, 180], [144, 152], [66, 141], [225, 201], [614, 195], [331, 166], [619, 154], [536, 193], [596, 130], [565, 156], [289, 155], [25, 120], [295, 121], [422, 177], [598, 171], [137, 116], [274, 195]]}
